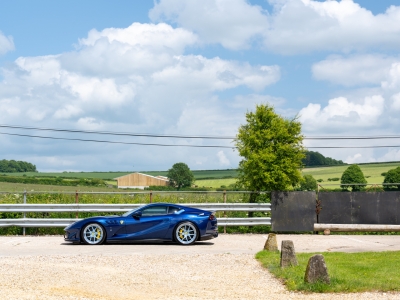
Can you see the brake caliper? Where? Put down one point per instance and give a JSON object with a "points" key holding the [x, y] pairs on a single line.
{"points": [[181, 233], [98, 234]]}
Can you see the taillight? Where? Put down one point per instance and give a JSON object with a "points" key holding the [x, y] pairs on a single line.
{"points": [[211, 217]]}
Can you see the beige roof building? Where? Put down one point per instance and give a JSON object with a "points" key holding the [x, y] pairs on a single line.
{"points": [[140, 181]]}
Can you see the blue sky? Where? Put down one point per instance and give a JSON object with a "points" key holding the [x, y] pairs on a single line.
{"points": [[193, 68]]}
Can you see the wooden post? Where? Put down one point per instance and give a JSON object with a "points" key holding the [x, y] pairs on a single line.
{"points": [[224, 211], [356, 227], [76, 201], [23, 229], [151, 196]]}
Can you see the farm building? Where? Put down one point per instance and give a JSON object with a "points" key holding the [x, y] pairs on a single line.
{"points": [[140, 181]]}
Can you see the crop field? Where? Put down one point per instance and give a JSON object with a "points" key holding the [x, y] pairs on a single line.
{"points": [[215, 183]]}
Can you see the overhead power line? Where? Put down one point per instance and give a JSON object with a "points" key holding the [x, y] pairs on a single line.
{"points": [[184, 137], [349, 147], [180, 145], [176, 136], [115, 142], [190, 136]]}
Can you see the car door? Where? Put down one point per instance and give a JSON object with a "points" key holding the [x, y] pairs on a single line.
{"points": [[153, 223]]}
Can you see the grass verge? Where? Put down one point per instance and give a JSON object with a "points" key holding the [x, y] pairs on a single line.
{"points": [[349, 272]]}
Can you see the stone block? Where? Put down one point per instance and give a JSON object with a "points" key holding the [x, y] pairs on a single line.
{"points": [[271, 244], [288, 255], [317, 270]]}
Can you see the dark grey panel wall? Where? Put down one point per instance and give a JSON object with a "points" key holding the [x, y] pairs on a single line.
{"points": [[336, 208], [293, 211], [360, 208]]}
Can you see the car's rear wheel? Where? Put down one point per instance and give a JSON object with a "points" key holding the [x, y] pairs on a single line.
{"points": [[93, 234], [186, 233]]}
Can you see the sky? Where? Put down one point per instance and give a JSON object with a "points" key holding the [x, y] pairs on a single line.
{"points": [[193, 69]]}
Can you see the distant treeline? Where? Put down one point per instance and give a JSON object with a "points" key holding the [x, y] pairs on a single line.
{"points": [[12, 166], [317, 159]]}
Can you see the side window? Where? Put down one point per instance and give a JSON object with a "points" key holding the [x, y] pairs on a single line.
{"points": [[155, 211], [172, 210]]}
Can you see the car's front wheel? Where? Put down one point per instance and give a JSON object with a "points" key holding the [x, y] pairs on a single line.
{"points": [[186, 233], [93, 234]]}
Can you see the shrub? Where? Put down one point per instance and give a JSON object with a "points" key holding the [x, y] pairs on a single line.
{"points": [[308, 183], [393, 176], [334, 179], [53, 181], [353, 174]]}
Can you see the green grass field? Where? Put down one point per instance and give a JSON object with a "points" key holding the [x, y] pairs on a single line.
{"points": [[349, 272], [372, 172], [198, 174], [204, 178], [215, 183], [20, 187]]}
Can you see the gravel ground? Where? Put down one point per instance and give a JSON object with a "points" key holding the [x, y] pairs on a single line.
{"points": [[202, 274], [214, 276]]}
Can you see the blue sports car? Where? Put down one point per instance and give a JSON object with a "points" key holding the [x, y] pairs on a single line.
{"points": [[161, 221]]}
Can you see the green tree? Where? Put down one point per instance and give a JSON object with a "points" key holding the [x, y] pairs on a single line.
{"points": [[272, 151], [180, 175], [317, 159], [308, 183], [392, 176], [353, 174]]}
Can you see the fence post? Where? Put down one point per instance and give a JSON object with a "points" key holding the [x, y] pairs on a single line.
{"points": [[23, 229], [151, 196], [224, 211], [76, 201]]}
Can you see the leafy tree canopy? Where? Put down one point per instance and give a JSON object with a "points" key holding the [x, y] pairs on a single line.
{"points": [[308, 183], [272, 151], [180, 175], [317, 159], [12, 166], [353, 174], [393, 176]]}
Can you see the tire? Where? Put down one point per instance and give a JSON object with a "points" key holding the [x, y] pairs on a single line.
{"points": [[93, 234], [186, 233]]}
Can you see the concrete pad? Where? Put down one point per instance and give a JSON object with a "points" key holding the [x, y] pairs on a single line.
{"points": [[225, 243], [342, 243]]}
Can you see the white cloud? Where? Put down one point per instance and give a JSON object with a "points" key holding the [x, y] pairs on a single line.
{"points": [[216, 73], [232, 23], [159, 37], [63, 87], [356, 158], [342, 114], [294, 26], [393, 81], [117, 80], [223, 160], [67, 112], [391, 155], [6, 43], [353, 70], [246, 101], [396, 102], [301, 26]]}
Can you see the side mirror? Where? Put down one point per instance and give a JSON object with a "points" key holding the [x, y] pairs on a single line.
{"points": [[137, 214]]}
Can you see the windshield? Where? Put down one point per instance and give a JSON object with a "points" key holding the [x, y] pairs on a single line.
{"points": [[131, 211]]}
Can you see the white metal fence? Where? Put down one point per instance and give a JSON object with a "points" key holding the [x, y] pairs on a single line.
{"points": [[52, 222]]}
